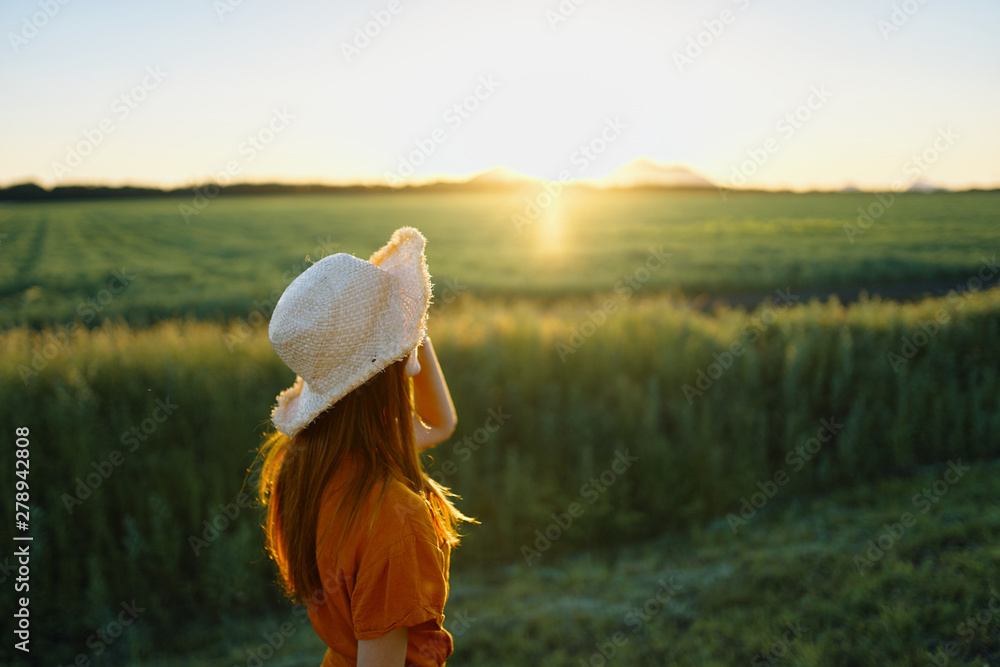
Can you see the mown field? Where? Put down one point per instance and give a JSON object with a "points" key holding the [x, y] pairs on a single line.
{"points": [[239, 252], [747, 456]]}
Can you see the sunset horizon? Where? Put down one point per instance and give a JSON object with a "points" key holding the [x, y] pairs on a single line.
{"points": [[511, 178], [768, 96]]}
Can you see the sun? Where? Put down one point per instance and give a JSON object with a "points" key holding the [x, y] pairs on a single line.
{"points": [[551, 223]]}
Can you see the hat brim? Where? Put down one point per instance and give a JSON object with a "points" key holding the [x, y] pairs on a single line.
{"points": [[401, 326], [403, 258]]}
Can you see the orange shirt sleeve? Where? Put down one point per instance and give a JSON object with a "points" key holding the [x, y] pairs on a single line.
{"points": [[402, 578]]}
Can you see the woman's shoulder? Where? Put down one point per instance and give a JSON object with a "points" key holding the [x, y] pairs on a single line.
{"points": [[389, 508], [405, 537], [403, 513]]}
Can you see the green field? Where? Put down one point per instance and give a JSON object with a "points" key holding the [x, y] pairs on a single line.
{"points": [[783, 592], [839, 418], [239, 252]]}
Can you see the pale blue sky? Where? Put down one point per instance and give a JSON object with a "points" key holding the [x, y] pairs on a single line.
{"points": [[556, 89]]}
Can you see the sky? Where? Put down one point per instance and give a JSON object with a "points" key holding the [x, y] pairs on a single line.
{"points": [[757, 93]]}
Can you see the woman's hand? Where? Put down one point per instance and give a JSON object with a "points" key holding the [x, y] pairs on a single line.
{"points": [[434, 418]]}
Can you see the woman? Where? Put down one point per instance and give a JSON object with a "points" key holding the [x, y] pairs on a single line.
{"points": [[361, 535]]}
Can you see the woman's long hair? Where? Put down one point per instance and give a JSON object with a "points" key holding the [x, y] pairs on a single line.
{"points": [[371, 430]]}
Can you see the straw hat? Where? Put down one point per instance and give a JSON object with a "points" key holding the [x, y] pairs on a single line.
{"points": [[343, 320]]}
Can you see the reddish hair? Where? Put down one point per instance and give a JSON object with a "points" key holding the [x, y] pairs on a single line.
{"points": [[370, 430]]}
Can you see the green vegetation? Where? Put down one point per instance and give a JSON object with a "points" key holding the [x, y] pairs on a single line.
{"points": [[231, 259], [621, 387], [783, 592], [611, 434]]}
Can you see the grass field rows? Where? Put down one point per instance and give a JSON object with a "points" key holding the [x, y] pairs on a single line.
{"points": [[242, 250]]}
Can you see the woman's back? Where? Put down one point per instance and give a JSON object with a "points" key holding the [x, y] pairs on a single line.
{"points": [[374, 581]]}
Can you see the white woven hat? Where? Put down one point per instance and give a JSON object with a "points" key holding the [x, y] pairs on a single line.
{"points": [[343, 320]]}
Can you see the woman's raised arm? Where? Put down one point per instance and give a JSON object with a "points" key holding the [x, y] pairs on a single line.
{"points": [[434, 418]]}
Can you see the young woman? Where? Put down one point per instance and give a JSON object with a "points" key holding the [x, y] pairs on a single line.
{"points": [[361, 535]]}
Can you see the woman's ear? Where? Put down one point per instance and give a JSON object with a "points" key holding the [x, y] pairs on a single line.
{"points": [[412, 364]]}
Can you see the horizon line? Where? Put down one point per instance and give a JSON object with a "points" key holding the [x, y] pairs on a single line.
{"points": [[671, 176], [495, 186]]}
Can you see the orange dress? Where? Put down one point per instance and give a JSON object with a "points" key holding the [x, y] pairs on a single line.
{"points": [[373, 583]]}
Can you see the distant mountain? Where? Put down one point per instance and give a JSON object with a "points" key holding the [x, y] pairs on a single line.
{"points": [[500, 176], [645, 173], [923, 186], [641, 173]]}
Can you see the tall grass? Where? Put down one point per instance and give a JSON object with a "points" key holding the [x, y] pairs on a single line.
{"points": [[569, 413]]}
